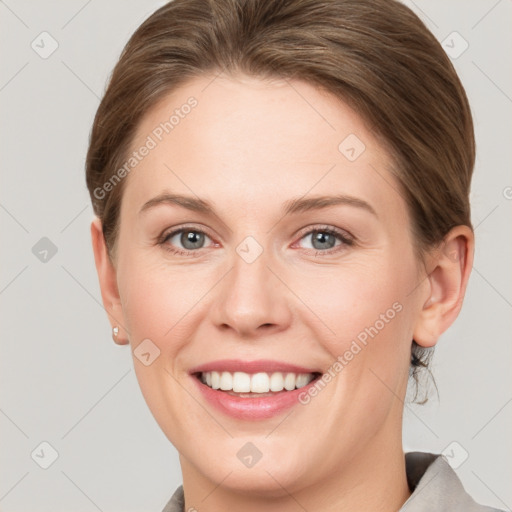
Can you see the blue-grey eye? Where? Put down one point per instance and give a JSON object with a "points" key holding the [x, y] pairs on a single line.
{"points": [[189, 239], [324, 239], [192, 239]]}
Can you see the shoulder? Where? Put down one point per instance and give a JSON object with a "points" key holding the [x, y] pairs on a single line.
{"points": [[436, 486], [177, 501]]}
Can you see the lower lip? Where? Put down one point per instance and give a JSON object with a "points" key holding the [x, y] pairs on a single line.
{"points": [[257, 408]]}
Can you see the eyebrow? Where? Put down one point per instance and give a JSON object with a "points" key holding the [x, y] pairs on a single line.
{"points": [[297, 205]]}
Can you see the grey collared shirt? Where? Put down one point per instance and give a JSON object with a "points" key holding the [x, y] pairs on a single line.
{"points": [[434, 485]]}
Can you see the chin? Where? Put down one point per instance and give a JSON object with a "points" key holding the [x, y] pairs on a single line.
{"points": [[268, 481], [271, 470]]}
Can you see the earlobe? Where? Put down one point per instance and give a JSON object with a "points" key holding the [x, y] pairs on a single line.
{"points": [[446, 284], [107, 277]]}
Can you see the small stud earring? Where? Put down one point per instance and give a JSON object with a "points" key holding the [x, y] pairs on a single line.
{"points": [[115, 331]]}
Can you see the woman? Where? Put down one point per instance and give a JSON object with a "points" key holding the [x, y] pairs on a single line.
{"points": [[283, 232]]}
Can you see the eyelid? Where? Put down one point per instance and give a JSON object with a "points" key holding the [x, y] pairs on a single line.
{"points": [[190, 227], [325, 227]]}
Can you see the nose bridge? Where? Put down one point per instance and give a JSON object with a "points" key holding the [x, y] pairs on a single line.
{"points": [[251, 295]]}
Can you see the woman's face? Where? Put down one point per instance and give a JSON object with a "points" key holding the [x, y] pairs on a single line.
{"points": [[266, 272]]}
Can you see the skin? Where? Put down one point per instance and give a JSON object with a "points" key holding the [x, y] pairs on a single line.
{"points": [[247, 148]]}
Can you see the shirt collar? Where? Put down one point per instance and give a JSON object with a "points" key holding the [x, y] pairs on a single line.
{"points": [[436, 486]]}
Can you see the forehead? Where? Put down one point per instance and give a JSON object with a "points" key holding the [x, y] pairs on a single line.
{"points": [[223, 137]]}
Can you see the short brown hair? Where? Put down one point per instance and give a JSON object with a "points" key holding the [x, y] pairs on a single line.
{"points": [[375, 55]]}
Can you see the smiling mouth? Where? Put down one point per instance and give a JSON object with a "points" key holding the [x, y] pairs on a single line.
{"points": [[253, 385]]}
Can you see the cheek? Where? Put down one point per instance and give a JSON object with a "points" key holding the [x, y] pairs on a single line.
{"points": [[158, 305], [158, 300], [354, 297], [364, 313]]}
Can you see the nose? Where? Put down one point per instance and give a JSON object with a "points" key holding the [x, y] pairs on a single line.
{"points": [[252, 300]]}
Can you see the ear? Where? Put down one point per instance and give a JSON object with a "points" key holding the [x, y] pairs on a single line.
{"points": [[450, 269], [107, 276]]}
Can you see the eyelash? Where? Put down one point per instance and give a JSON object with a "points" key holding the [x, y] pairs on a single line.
{"points": [[344, 237]]}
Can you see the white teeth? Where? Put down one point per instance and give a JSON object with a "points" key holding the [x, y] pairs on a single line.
{"points": [[289, 381], [276, 382], [215, 379], [241, 382], [226, 381], [262, 382], [301, 380]]}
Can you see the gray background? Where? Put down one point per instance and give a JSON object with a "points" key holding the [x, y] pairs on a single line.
{"points": [[64, 381]]}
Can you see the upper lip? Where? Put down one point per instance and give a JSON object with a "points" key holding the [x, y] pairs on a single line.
{"points": [[260, 365]]}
